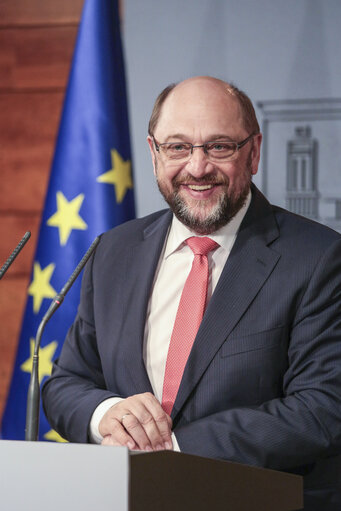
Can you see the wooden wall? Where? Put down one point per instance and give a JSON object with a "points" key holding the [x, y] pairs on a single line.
{"points": [[36, 45]]}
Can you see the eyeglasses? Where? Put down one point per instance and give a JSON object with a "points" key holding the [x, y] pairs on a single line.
{"points": [[215, 151]]}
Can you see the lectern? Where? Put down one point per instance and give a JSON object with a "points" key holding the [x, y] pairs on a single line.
{"points": [[41, 476]]}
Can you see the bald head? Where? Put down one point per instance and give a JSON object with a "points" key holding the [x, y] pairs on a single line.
{"points": [[209, 83], [208, 92]]}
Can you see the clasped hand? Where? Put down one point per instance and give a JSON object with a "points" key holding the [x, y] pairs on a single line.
{"points": [[139, 423]]}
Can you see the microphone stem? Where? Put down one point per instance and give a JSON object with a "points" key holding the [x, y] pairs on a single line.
{"points": [[14, 254], [33, 395]]}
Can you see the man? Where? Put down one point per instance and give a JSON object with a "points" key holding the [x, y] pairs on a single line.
{"points": [[261, 382]]}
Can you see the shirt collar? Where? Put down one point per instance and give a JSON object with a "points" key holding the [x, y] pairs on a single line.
{"points": [[224, 236]]}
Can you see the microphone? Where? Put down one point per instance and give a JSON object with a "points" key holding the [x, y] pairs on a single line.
{"points": [[14, 254], [33, 395]]}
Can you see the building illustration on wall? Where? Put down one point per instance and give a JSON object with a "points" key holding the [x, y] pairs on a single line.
{"points": [[301, 157], [302, 193]]}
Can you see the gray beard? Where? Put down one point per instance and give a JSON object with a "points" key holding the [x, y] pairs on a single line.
{"points": [[221, 215], [226, 208]]}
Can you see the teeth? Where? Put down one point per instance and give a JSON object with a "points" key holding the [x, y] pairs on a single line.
{"points": [[200, 188]]}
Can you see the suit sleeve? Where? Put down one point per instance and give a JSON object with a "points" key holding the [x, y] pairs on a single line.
{"points": [[76, 386], [304, 423]]}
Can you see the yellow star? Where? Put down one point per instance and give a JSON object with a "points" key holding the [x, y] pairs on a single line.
{"points": [[53, 436], [119, 176], [45, 359], [40, 286], [67, 216]]}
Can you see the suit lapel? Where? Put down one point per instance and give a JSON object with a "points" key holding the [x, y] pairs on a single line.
{"points": [[140, 266], [249, 265]]}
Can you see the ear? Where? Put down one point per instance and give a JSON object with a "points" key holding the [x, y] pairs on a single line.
{"points": [[152, 152], [255, 154]]}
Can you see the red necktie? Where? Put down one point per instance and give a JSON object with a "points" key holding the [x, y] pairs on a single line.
{"points": [[188, 318]]}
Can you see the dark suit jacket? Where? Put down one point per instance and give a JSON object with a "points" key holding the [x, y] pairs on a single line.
{"points": [[262, 385]]}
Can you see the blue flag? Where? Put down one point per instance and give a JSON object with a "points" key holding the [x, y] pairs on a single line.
{"points": [[90, 191]]}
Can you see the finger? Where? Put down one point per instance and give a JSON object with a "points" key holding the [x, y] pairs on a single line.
{"points": [[109, 440], [136, 431], [111, 427], [164, 423], [169, 443], [170, 422], [155, 422], [158, 429]]}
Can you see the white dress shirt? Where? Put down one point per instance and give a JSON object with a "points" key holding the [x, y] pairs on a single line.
{"points": [[174, 266]]}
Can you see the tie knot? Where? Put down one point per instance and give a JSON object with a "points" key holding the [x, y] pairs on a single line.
{"points": [[201, 246]]}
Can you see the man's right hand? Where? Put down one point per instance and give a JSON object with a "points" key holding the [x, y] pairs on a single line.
{"points": [[139, 423]]}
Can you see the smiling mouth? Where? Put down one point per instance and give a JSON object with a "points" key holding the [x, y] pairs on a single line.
{"points": [[203, 187], [202, 184], [200, 188]]}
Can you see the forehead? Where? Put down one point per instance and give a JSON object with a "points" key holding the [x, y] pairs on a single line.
{"points": [[199, 108]]}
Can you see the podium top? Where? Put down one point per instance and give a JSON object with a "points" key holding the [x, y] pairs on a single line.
{"points": [[39, 475]]}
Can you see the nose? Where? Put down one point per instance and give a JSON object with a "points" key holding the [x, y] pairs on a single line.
{"points": [[198, 164]]}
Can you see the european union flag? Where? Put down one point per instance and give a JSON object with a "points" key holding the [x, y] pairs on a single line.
{"points": [[90, 191]]}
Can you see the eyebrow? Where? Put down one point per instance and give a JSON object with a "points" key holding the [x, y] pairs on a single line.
{"points": [[183, 137]]}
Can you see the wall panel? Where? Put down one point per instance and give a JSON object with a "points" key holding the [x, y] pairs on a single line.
{"points": [[35, 57], [39, 12], [28, 124]]}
